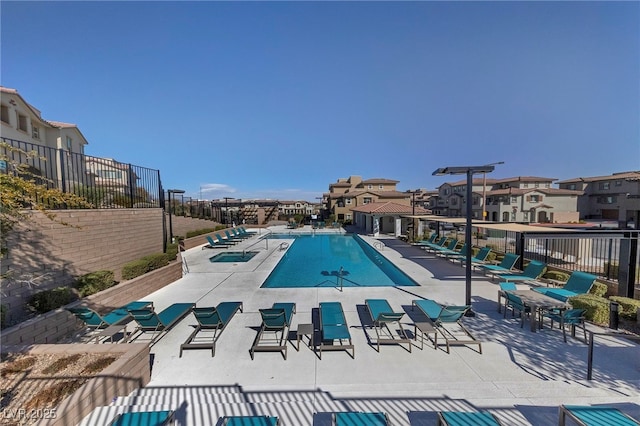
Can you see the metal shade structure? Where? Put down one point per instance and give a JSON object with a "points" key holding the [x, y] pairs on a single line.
{"points": [[469, 171]]}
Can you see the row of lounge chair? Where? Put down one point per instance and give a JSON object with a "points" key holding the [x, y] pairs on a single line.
{"points": [[582, 415], [232, 238], [276, 321]]}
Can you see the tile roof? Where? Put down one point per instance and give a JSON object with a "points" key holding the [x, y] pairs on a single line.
{"points": [[633, 175], [389, 207]]}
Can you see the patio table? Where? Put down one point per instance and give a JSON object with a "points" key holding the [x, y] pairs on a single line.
{"points": [[537, 302]]}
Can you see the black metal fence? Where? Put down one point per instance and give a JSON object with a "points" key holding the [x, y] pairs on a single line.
{"points": [[610, 254], [104, 182]]}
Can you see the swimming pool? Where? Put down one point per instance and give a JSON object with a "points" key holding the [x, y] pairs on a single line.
{"points": [[316, 261]]}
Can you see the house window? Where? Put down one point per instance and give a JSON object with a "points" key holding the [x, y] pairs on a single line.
{"points": [[370, 186], [454, 201], [604, 185], [526, 185], [618, 183], [534, 198], [69, 143], [607, 200], [572, 186], [348, 201], [525, 216], [513, 216], [22, 122], [476, 201], [35, 132], [4, 114], [367, 200], [348, 216], [537, 185], [514, 200]]}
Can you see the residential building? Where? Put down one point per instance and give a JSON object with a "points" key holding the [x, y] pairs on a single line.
{"points": [[387, 218], [524, 199], [23, 127], [347, 194], [614, 197], [290, 208]]}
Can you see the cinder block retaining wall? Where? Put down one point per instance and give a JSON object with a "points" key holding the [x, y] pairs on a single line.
{"points": [[129, 372], [53, 326]]}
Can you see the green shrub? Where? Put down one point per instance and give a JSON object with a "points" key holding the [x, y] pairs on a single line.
{"points": [[48, 300], [599, 289], [628, 308], [142, 266], [172, 251], [134, 269], [200, 232], [597, 308], [94, 282], [556, 275]]}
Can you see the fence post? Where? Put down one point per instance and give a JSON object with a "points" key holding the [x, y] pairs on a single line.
{"points": [[627, 264], [63, 167]]}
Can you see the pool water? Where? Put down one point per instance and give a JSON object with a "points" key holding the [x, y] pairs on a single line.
{"points": [[233, 256], [324, 260]]}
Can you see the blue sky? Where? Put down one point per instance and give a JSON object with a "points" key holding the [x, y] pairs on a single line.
{"points": [[280, 99]]}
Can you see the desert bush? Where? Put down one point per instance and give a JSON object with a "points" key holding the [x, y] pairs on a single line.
{"points": [[48, 300], [597, 308], [142, 266], [94, 282], [599, 289], [628, 308], [556, 275], [200, 232]]}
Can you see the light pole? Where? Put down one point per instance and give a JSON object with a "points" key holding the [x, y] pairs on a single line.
{"points": [[171, 193], [469, 171]]}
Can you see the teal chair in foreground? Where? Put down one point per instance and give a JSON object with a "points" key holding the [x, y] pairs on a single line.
{"points": [[159, 323], [144, 418], [334, 329], [578, 283], [568, 317], [515, 303], [210, 319], [382, 316], [95, 321], [455, 418], [502, 293], [276, 319], [353, 418], [440, 315], [249, 421], [595, 416]]}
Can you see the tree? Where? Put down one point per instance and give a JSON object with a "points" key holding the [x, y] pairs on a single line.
{"points": [[22, 189]]}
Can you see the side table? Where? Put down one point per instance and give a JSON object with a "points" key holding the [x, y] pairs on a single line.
{"points": [[425, 328], [304, 330]]}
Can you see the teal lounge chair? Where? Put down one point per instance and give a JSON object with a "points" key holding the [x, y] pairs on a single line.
{"points": [[210, 319], [334, 329], [237, 234], [276, 319], [531, 273], [382, 315], [244, 231], [144, 418], [215, 243], [435, 245], [504, 287], [508, 262], [478, 260], [231, 237], [440, 315], [159, 323], [222, 240], [94, 320], [595, 416], [249, 421], [428, 241], [455, 418], [515, 303], [351, 418], [578, 283], [448, 248], [453, 253]]}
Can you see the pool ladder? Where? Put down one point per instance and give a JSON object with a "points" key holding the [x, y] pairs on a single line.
{"points": [[378, 245]]}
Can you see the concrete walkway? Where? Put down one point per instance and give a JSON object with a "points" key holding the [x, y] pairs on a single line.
{"points": [[521, 376]]}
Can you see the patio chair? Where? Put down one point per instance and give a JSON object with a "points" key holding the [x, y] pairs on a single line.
{"points": [[508, 262], [578, 283], [215, 243], [531, 273], [515, 303], [333, 327], [440, 315], [146, 418], [237, 234], [382, 315], [249, 421], [570, 317], [223, 240], [453, 253], [210, 319], [430, 240], [595, 416], [479, 259], [435, 245], [461, 418], [95, 321], [449, 248], [504, 287], [244, 231], [231, 237], [159, 323], [276, 319], [355, 418]]}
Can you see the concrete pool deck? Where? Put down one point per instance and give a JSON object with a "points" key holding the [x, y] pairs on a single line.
{"points": [[522, 377]]}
